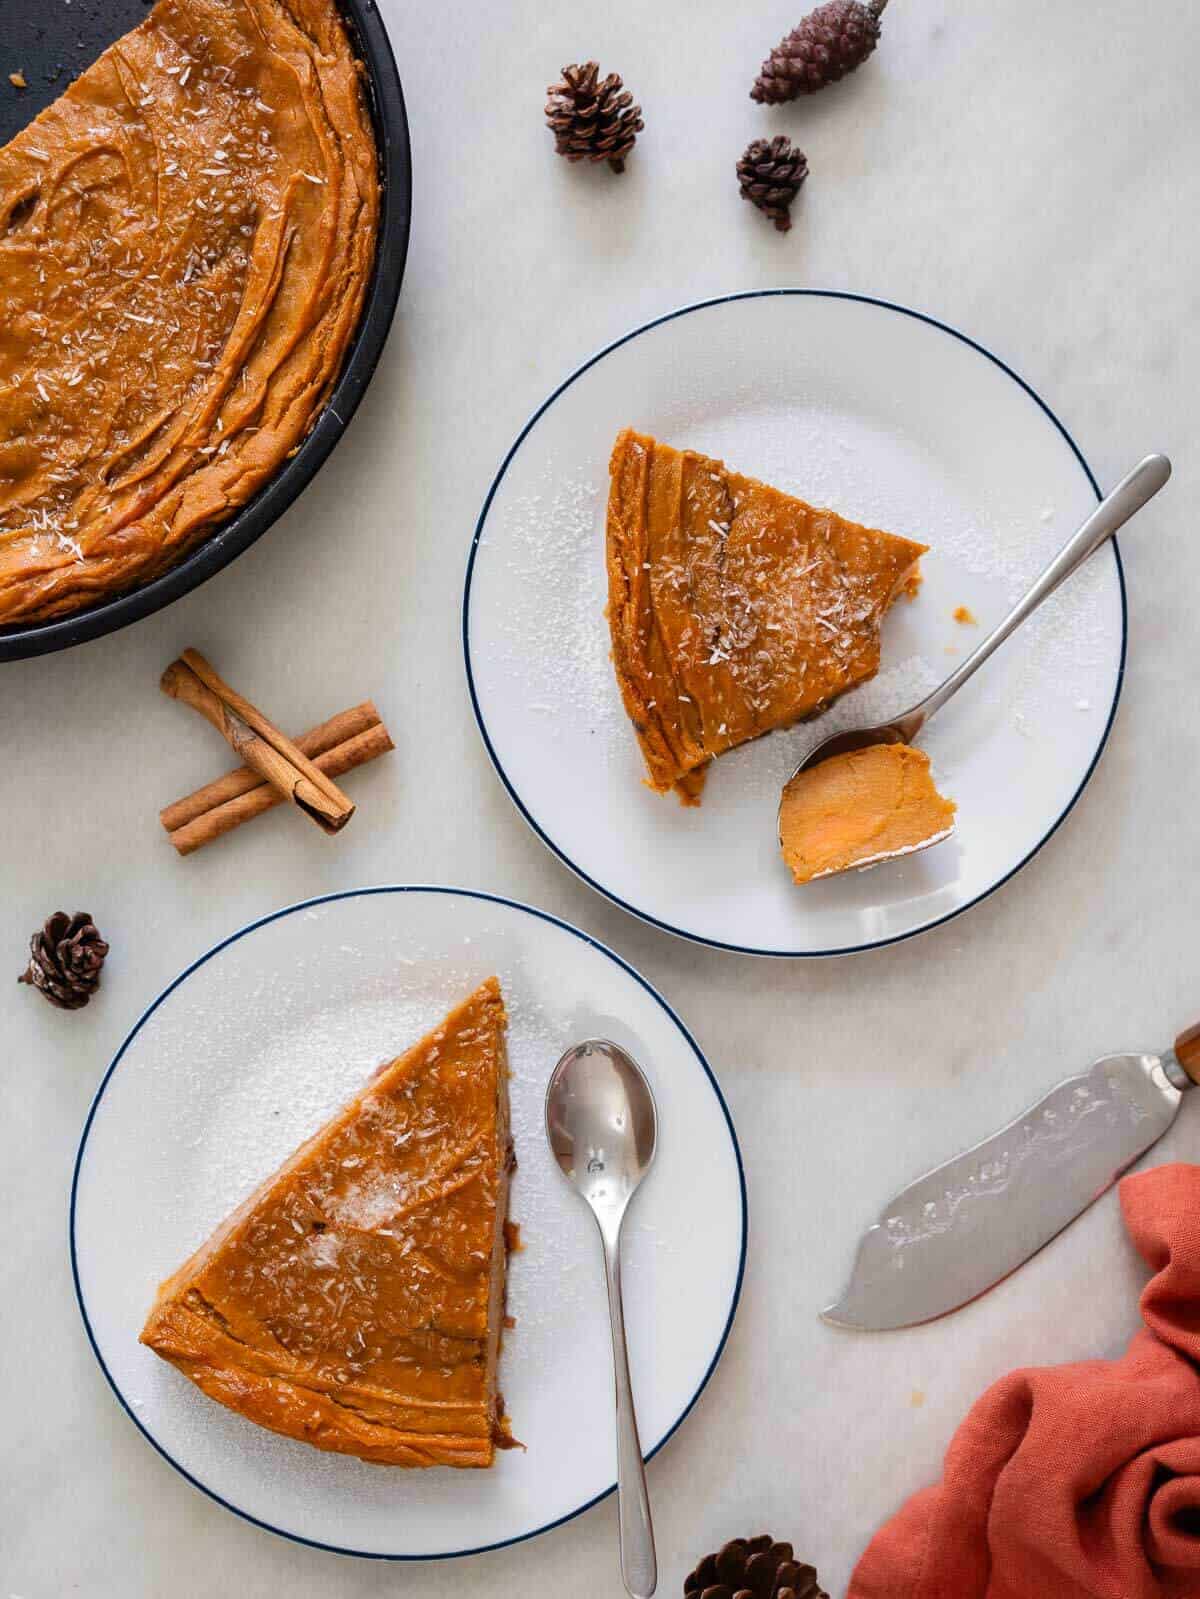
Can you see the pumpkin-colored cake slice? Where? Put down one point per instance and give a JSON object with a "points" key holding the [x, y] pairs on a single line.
{"points": [[356, 1300], [860, 808], [735, 609], [187, 236]]}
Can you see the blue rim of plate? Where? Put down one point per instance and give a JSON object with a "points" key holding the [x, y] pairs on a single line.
{"points": [[363, 893], [615, 899]]}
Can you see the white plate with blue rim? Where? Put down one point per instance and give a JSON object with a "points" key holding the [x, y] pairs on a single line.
{"points": [[253, 1048], [895, 420]]}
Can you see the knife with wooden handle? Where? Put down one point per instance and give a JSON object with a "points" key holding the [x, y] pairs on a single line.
{"points": [[963, 1227]]}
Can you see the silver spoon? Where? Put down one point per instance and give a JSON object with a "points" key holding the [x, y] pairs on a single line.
{"points": [[602, 1127], [1130, 494]]}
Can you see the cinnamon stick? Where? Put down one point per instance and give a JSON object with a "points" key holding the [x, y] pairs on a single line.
{"points": [[203, 826], [326, 736], [258, 741]]}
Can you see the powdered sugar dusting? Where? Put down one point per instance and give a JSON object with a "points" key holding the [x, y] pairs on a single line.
{"points": [[259, 1111], [555, 638]]}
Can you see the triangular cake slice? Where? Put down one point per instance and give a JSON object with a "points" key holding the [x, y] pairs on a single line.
{"points": [[735, 609], [356, 1299]]}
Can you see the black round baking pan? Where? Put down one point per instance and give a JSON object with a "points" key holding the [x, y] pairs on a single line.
{"points": [[50, 43]]}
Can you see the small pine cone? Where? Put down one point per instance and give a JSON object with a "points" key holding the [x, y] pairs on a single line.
{"points": [[770, 174], [65, 960], [753, 1568], [592, 120], [829, 43]]}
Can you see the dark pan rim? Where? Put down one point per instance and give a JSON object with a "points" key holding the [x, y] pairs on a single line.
{"points": [[386, 100]]}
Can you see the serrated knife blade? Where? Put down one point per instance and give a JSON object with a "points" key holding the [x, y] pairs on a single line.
{"points": [[969, 1223]]}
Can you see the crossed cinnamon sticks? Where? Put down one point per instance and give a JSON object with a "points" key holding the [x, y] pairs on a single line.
{"points": [[276, 770]]}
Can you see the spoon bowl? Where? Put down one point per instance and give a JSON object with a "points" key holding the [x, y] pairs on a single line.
{"points": [[602, 1123]]}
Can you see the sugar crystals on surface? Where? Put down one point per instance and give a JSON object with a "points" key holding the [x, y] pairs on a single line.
{"points": [[556, 639]]}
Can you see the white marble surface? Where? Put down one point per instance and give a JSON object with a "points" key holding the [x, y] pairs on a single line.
{"points": [[1024, 171]]}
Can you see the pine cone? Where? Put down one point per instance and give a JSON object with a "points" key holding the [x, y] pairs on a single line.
{"points": [[590, 120], [753, 1568], [770, 174], [829, 43], [65, 960]]}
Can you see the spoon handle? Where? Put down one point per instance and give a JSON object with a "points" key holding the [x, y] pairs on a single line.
{"points": [[1130, 494], [639, 1565]]}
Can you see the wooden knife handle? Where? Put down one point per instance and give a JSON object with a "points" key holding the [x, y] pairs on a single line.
{"points": [[1187, 1052]]}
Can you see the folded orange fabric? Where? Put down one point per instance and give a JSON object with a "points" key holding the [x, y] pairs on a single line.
{"points": [[1075, 1482]]}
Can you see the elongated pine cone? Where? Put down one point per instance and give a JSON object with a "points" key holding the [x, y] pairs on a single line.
{"points": [[770, 173], [592, 120], [829, 43], [65, 958], [753, 1568]]}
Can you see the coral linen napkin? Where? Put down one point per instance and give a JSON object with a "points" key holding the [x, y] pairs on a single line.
{"points": [[1075, 1482]]}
